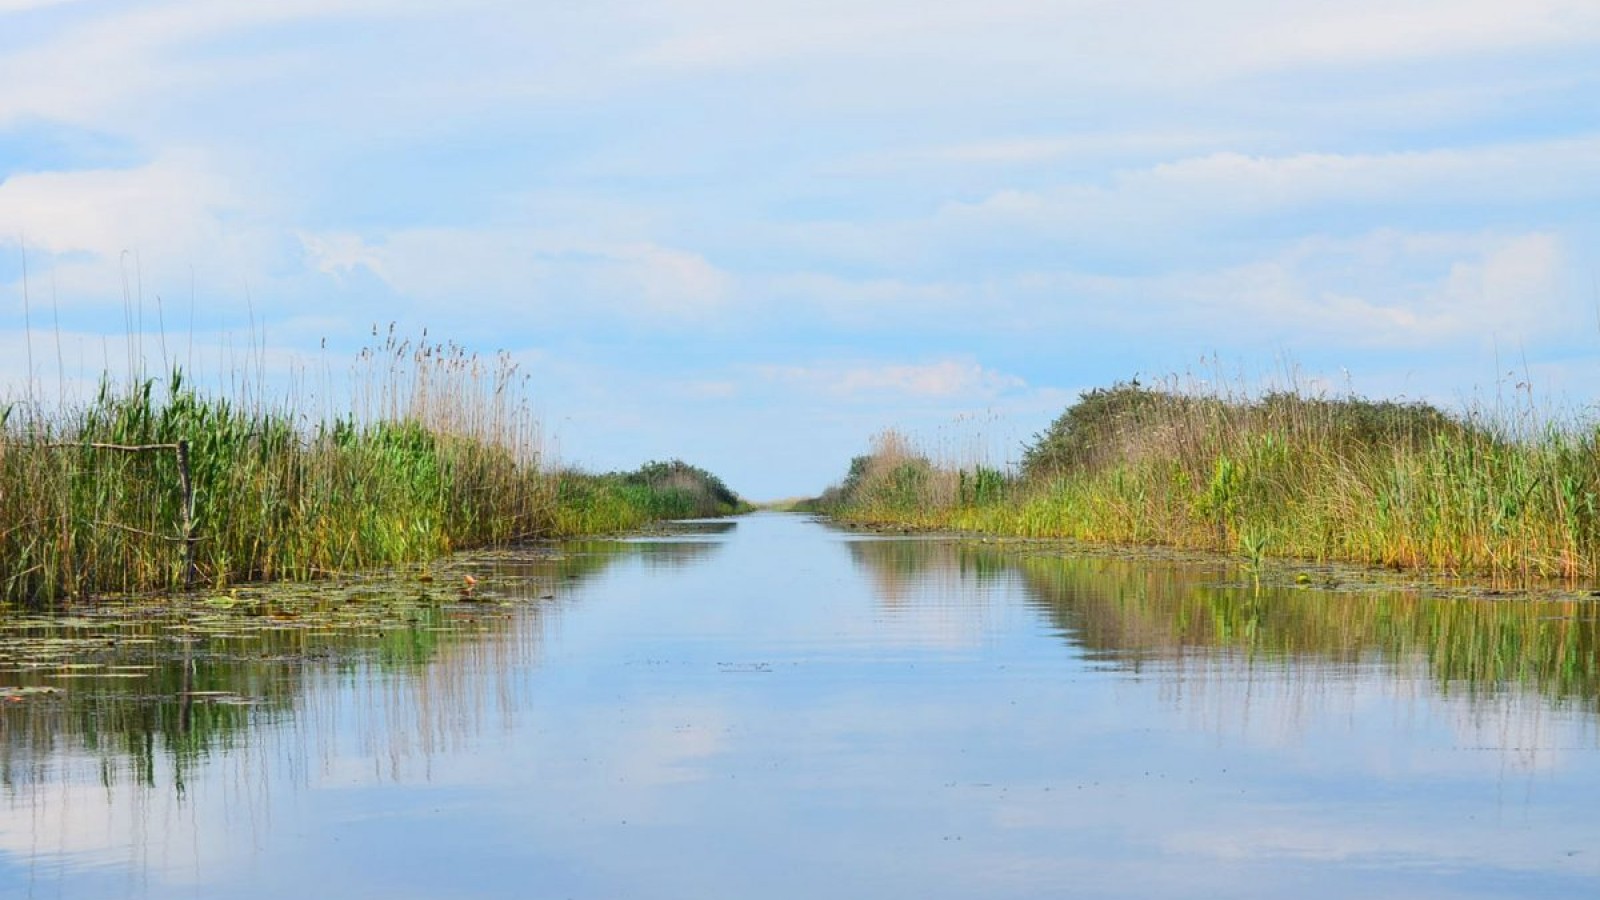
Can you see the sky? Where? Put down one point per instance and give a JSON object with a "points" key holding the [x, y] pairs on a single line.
{"points": [[752, 235]]}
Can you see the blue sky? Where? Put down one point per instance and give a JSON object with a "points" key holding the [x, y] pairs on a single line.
{"points": [[753, 234]]}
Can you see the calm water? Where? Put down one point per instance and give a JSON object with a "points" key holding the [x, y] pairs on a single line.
{"points": [[770, 708]]}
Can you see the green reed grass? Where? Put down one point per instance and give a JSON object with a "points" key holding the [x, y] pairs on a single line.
{"points": [[439, 453], [1401, 485]]}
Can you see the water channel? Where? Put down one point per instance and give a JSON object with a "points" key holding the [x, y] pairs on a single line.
{"points": [[771, 707]]}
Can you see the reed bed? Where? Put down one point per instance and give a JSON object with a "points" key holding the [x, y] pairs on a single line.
{"points": [[439, 453], [1402, 485]]}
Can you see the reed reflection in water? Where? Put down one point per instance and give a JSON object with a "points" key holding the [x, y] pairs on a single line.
{"points": [[1227, 652], [125, 726]]}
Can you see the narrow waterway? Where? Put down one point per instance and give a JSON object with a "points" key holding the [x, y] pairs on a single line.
{"points": [[769, 707]]}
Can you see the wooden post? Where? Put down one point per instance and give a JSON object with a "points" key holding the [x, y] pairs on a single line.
{"points": [[187, 485]]}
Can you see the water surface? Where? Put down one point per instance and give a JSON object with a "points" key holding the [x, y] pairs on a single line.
{"points": [[769, 707]]}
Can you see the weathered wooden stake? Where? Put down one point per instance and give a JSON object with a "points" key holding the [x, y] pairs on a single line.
{"points": [[188, 514]]}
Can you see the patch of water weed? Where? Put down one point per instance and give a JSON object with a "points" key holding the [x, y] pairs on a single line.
{"points": [[182, 677]]}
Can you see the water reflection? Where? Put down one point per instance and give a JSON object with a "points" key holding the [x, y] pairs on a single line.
{"points": [[709, 713], [659, 553], [109, 715], [907, 570]]}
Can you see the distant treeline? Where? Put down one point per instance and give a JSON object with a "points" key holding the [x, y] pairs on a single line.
{"points": [[1400, 484], [156, 486]]}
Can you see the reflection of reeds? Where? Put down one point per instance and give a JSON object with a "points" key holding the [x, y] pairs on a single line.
{"points": [[904, 571], [1139, 615], [1286, 474], [1154, 611]]}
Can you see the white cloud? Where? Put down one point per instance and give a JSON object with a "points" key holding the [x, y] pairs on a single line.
{"points": [[706, 389], [1366, 32], [1216, 210], [1137, 42], [121, 66], [1495, 287], [1227, 186], [1385, 289], [1507, 171], [865, 302], [671, 282], [530, 268], [17, 6], [170, 207], [174, 228], [1512, 289], [944, 379], [1025, 150], [341, 253]]}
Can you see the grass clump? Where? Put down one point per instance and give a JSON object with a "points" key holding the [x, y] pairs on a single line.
{"points": [[895, 481], [1284, 474]]}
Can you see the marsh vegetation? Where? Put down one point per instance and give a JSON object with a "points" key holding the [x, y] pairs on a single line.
{"points": [[154, 485], [1404, 485]]}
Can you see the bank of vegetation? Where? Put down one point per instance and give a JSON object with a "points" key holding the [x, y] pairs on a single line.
{"points": [[620, 501], [154, 485], [1404, 485]]}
